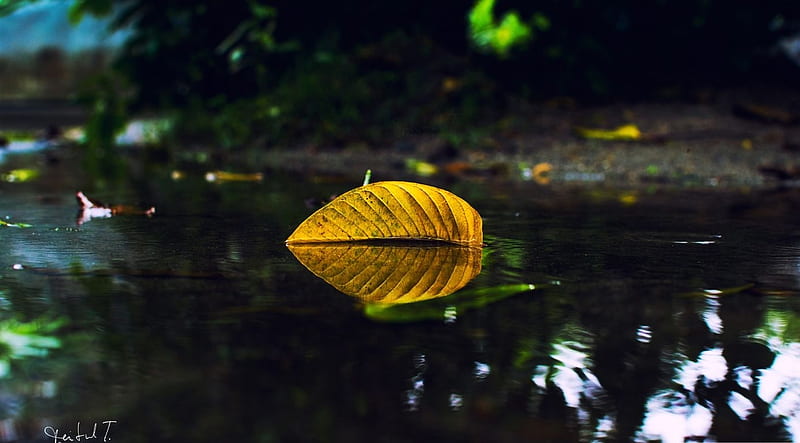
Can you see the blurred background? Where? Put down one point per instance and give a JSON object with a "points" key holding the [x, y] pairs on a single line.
{"points": [[256, 73]]}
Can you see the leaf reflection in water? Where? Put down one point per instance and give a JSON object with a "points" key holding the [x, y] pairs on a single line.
{"points": [[391, 273], [445, 309]]}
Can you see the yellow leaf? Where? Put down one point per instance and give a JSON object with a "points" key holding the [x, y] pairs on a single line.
{"points": [[224, 176], [628, 198], [626, 132], [393, 211], [19, 175], [422, 168], [382, 273]]}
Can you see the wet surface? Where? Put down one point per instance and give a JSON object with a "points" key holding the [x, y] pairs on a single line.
{"points": [[657, 317]]}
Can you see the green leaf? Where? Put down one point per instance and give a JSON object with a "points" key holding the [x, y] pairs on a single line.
{"points": [[14, 225], [98, 8]]}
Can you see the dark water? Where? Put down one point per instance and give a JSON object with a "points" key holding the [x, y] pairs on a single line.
{"points": [[657, 318]]}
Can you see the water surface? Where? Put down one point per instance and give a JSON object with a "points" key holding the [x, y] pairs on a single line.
{"points": [[657, 316]]}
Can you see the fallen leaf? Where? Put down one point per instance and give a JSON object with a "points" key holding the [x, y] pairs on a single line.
{"points": [[541, 173], [766, 114], [19, 175], [90, 209], [224, 176], [393, 211], [458, 168], [385, 273], [14, 225], [422, 168], [628, 198], [622, 133]]}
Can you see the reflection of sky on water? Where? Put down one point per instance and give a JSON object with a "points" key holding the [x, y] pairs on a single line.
{"points": [[677, 413], [686, 406], [482, 370], [711, 316], [414, 393], [572, 374], [43, 256], [710, 367], [674, 414], [22, 147], [780, 387], [671, 417]]}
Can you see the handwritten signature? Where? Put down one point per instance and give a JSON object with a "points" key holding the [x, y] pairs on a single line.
{"points": [[58, 436]]}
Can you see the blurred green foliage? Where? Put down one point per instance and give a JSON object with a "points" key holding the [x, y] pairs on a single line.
{"points": [[105, 96], [20, 340], [357, 71], [8, 7], [499, 38]]}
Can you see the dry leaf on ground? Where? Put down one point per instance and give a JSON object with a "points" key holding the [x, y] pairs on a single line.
{"points": [[622, 133]]}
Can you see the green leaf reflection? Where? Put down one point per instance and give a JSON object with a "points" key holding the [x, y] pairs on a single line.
{"points": [[14, 225], [19, 340], [445, 308]]}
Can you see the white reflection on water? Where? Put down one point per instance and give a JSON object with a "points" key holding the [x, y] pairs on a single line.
{"points": [[539, 377], [779, 386], [672, 415], [572, 374], [644, 334], [710, 367], [582, 390], [456, 401], [414, 394], [711, 316], [740, 405], [482, 370], [605, 428], [743, 376]]}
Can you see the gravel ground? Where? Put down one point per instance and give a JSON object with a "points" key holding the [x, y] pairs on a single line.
{"points": [[730, 140], [737, 139]]}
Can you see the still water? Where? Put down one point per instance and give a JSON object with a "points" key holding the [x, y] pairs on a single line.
{"points": [[637, 316]]}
